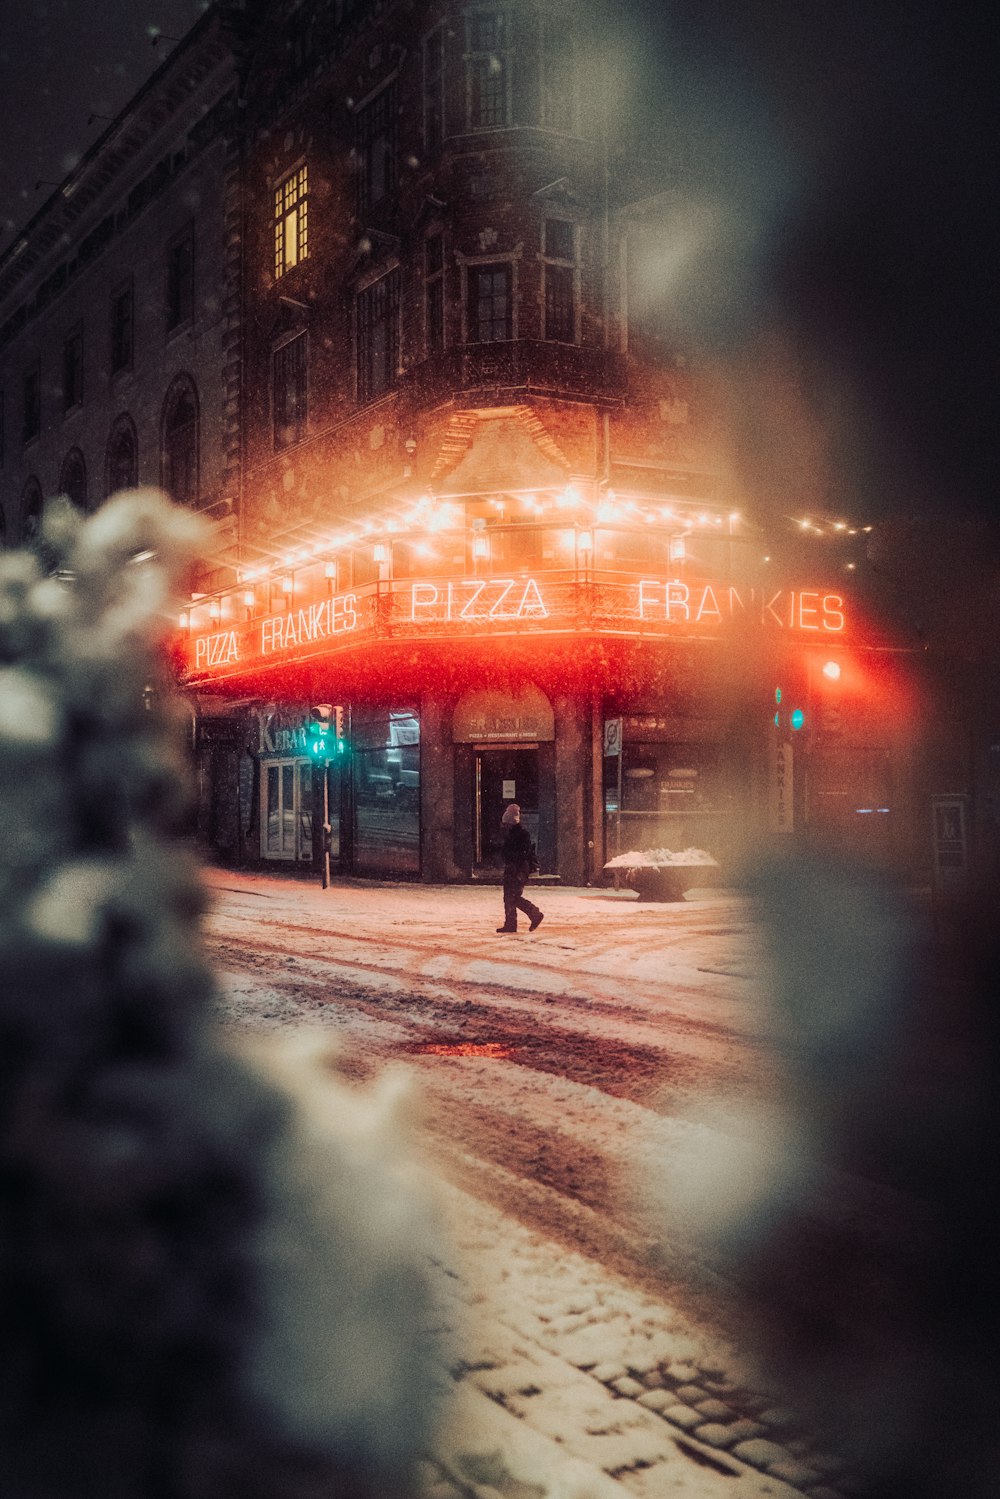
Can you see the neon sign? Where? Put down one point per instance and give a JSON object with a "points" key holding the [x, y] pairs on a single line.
{"points": [[604, 603], [676, 602], [498, 598]]}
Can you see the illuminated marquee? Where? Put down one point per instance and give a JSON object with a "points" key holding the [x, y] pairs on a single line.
{"points": [[498, 598], [650, 602], [676, 602]]}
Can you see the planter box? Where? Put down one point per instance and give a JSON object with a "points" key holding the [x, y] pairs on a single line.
{"points": [[664, 882]]}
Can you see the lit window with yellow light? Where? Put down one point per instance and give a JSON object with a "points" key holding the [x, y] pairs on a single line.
{"points": [[291, 221]]}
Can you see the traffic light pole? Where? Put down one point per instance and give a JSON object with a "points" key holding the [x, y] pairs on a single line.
{"points": [[326, 824]]}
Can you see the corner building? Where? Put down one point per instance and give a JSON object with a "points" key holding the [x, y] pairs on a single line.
{"points": [[483, 509]]}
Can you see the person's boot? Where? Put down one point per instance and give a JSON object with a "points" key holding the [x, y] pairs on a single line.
{"points": [[506, 928], [536, 920]]}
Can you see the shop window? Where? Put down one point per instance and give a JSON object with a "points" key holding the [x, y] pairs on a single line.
{"points": [[672, 796], [179, 443], [180, 280], [490, 304], [72, 384], [434, 91], [385, 762], [123, 457], [375, 140], [377, 323], [289, 392], [558, 66], [121, 329], [291, 221], [31, 419], [73, 478], [434, 293], [559, 268], [487, 63]]}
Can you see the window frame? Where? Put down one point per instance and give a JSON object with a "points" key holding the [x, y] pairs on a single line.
{"points": [[545, 51], [364, 353], [123, 294], [482, 266], [179, 308], [297, 376], [290, 195], [561, 263], [384, 102], [475, 56], [435, 303], [32, 374], [72, 369], [434, 88], [181, 387]]}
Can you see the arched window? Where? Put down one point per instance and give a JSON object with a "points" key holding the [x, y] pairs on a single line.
{"points": [[179, 441], [73, 478], [31, 512], [122, 464]]}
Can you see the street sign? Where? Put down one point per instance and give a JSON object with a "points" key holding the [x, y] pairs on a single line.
{"points": [[612, 737]]}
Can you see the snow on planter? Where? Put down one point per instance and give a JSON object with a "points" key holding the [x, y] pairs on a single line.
{"points": [[662, 873]]}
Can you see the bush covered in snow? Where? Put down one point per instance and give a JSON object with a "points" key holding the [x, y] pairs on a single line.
{"points": [[206, 1287]]}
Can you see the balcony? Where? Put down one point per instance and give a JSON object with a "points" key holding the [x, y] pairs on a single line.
{"points": [[520, 365]]}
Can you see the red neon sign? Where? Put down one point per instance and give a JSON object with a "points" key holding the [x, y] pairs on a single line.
{"points": [[652, 605]]}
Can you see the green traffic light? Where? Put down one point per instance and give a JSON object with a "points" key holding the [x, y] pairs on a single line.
{"points": [[798, 718]]}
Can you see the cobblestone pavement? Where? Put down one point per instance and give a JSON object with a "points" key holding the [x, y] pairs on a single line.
{"points": [[597, 1391]]}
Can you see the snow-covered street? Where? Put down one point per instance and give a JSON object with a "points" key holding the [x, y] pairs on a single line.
{"points": [[557, 1073]]}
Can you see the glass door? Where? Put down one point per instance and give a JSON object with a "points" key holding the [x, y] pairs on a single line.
{"points": [[286, 809], [503, 776]]}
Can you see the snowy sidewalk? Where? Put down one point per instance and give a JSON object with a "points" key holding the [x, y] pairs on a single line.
{"points": [[574, 1385]]}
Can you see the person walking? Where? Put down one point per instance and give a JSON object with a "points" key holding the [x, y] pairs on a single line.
{"points": [[518, 864]]}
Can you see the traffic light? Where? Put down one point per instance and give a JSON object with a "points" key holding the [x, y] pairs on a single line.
{"points": [[787, 717], [321, 720], [829, 697]]}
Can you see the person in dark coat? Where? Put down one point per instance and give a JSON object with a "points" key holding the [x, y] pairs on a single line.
{"points": [[518, 860]]}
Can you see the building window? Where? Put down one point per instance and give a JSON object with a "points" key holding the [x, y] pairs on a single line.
{"points": [[180, 280], [73, 370], [31, 417], [73, 478], [490, 304], [558, 76], [179, 442], [288, 401], [121, 330], [434, 293], [31, 512], [560, 271], [123, 457], [375, 143], [378, 336], [434, 119], [291, 221], [487, 64]]}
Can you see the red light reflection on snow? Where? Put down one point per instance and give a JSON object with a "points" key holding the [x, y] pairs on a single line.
{"points": [[464, 1049]]}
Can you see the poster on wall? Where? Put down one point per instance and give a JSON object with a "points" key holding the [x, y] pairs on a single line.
{"points": [[951, 854]]}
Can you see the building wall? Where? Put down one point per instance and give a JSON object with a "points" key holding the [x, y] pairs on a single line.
{"points": [[168, 165]]}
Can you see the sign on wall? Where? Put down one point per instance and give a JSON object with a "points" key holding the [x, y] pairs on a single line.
{"points": [[612, 737]]}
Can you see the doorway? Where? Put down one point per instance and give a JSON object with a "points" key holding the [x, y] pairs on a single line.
{"points": [[286, 810], [503, 775]]}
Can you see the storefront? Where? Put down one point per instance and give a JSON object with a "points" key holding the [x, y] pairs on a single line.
{"points": [[624, 708]]}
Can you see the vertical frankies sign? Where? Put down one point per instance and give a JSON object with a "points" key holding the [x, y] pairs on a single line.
{"points": [[656, 605]]}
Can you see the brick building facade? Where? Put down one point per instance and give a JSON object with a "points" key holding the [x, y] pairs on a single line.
{"points": [[470, 497]]}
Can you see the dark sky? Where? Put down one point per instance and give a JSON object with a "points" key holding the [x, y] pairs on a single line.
{"points": [[60, 62]]}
